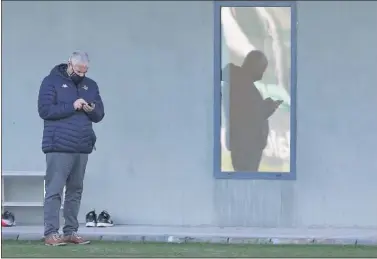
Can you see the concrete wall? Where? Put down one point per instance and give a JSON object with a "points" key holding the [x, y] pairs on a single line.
{"points": [[154, 65]]}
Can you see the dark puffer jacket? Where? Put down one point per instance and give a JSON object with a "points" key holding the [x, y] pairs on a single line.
{"points": [[65, 129]]}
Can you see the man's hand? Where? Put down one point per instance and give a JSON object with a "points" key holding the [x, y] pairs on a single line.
{"points": [[79, 103], [271, 106], [273, 103], [89, 107]]}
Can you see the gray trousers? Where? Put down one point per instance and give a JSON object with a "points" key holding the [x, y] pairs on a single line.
{"points": [[63, 169]]}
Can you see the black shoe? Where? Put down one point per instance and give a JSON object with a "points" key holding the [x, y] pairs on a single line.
{"points": [[104, 220], [8, 219], [91, 219]]}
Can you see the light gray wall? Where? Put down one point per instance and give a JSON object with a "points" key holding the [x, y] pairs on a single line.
{"points": [[153, 62]]}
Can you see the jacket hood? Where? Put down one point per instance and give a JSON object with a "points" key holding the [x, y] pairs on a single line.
{"points": [[228, 70], [60, 70]]}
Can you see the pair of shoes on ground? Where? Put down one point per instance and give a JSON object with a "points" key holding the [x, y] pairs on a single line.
{"points": [[58, 240], [103, 219], [8, 219]]}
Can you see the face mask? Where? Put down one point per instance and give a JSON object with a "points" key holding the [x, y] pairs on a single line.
{"points": [[76, 78]]}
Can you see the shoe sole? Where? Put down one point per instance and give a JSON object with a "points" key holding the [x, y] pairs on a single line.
{"points": [[59, 244], [87, 242], [90, 224], [83, 243], [7, 223], [102, 225]]}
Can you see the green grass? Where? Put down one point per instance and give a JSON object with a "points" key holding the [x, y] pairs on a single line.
{"points": [[123, 249]]}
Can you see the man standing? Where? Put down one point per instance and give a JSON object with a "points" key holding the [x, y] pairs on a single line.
{"points": [[248, 112], [68, 102]]}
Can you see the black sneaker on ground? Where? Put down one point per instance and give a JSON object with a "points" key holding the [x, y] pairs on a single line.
{"points": [[104, 220], [8, 219], [91, 219]]}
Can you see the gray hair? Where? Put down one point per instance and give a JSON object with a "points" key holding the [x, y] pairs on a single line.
{"points": [[79, 58]]}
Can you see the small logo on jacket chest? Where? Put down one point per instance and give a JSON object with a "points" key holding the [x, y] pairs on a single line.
{"points": [[64, 86], [85, 87]]}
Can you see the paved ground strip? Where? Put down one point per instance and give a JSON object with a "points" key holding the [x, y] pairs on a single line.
{"points": [[166, 234]]}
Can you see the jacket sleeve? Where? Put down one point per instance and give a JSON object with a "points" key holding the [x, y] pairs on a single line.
{"points": [[48, 109], [99, 111]]}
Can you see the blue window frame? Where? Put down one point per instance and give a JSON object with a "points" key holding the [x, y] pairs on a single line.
{"points": [[265, 149]]}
